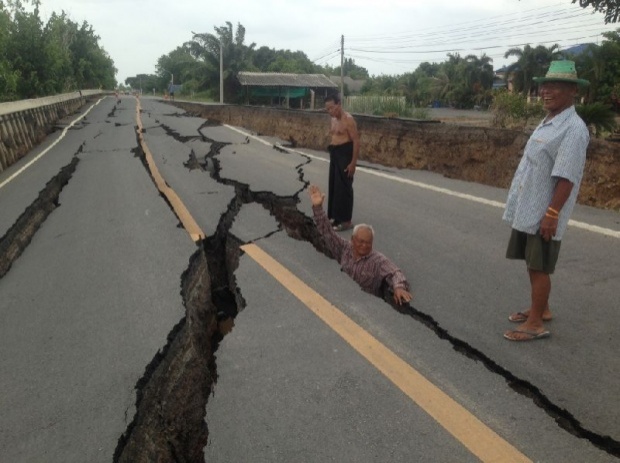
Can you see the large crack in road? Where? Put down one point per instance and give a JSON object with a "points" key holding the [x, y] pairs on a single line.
{"points": [[20, 234], [171, 396], [169, 424], [299, 226]]}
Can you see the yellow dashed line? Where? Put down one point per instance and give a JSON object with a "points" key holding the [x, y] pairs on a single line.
{"points": [[479, 439], [177, 205]]}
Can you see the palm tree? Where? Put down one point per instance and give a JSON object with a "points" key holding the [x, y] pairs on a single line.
{"points": [[591, 64], [236, 55], [531, 62], [479, 71]]}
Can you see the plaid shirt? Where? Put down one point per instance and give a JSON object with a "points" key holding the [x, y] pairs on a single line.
{"points": [[369, 271]]}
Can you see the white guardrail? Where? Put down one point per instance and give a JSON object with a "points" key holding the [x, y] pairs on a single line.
{"points": [[22, 105]]}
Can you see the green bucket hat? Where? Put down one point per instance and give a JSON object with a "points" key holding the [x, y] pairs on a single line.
{"points": [[562, 71]]}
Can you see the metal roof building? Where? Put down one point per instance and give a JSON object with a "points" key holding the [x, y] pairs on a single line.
{"points": [[280, 88]]}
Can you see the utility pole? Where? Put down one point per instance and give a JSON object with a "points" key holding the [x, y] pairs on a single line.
{"points": [[342, 67], [221, 72]]}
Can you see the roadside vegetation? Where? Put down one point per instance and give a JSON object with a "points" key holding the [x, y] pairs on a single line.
{"points": [[39, 59], [462, 82], [513, 111]]}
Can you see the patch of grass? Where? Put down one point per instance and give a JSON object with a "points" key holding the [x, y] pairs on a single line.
{"points": [[421, 113], [201, 97]]}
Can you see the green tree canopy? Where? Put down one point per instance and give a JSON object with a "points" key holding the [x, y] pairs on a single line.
{"points": [[459, 81], [600, 64], [352, 70], [610, 8], [237, 57], [38, 59]]}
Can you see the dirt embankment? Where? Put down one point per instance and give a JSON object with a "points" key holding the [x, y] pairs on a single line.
{"points": [[477, 154]]}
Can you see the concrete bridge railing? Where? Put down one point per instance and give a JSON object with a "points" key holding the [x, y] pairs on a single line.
{"points": [[24, 124]]}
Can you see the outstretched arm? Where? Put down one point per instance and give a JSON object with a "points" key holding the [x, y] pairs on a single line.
{"points": [[397, 280], [334, 243]]}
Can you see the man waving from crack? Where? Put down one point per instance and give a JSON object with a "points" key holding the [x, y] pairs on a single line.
{"points": [[374, 272]]}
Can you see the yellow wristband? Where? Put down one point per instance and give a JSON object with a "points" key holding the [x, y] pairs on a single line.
{"points": [[552, 216], [553, 210]]}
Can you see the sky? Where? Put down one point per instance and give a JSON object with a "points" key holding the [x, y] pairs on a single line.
{"points": [[387, 37]]}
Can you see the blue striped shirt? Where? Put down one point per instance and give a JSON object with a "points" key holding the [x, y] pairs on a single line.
{"points": [[556, 149]]}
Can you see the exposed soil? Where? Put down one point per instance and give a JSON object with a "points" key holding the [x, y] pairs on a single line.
{"points": [[463, 146]]}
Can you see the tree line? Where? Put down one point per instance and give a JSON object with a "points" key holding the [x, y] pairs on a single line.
{"points": [[39, 59], [465, 82], [459, 81], [196, 64]]}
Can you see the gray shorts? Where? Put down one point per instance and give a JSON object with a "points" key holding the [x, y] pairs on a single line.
{"points": [[538, 254]]}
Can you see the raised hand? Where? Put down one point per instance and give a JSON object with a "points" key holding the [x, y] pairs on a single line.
{"points": [[316, 196]]}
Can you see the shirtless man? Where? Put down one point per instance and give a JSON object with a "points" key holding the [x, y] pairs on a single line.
{"points": [[343, 150]]}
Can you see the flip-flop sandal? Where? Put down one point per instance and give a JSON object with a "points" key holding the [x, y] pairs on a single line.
{"points": [[520, 317], [529, 335]]}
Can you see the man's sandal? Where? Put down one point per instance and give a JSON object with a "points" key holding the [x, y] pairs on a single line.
{"points": [[520, 317], [525, 335]]}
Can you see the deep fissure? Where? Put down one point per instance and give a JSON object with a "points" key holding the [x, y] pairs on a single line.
{"points": [[169, 418], [173, 392], [20, 234], [302, 228]]}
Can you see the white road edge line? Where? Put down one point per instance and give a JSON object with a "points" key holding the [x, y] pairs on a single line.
{"points": [[476, 199], [46, 150]]}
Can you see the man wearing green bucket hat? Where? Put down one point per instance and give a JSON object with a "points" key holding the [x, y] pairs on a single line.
{"points": [[544, 191]]}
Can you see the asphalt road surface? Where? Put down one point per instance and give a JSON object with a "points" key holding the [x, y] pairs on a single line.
{"points": [[314, 369]]}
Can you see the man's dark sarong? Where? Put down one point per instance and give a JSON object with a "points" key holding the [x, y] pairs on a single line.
{"points": [[340, 188]]}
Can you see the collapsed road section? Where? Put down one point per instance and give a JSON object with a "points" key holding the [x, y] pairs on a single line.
{"points": [[300, 227], [169, 422], [171, 395]]}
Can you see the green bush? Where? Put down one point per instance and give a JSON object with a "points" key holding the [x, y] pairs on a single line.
{"points": [[598, 116], [512, 110]]}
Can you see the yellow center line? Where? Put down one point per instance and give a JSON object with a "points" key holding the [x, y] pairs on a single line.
{"points": [[188, 222], [482, 441]]}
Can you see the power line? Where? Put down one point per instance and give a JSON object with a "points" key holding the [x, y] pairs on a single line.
{"points": [[487, 34], [505, 17], [488, 31], [410, 49], [327, 57]]}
